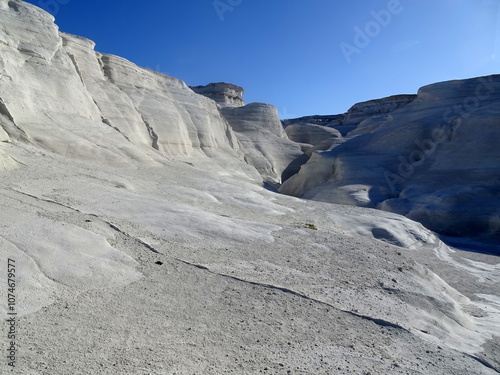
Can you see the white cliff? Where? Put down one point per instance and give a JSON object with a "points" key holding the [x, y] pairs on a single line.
{"points": [[113, 111], [224, 94], [433, 160], [264, 142]]}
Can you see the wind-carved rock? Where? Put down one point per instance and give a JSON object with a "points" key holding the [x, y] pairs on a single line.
{"points": [[69, 99], [111, 154], [260, 133], [224, 94], [263, 139], [433, 158], [61, 95], [361, 111]]}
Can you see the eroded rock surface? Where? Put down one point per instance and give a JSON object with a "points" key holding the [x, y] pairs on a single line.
{"points": [[224, 94], [432, 158], [264, 142]]}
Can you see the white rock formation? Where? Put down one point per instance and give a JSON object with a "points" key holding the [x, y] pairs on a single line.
{"points": [[258, 128], [143, 242], [359, 112], [434, 160], [264, 142], [362, 111], [224, 94], [120, 113], [113, 111], [313, 137]]}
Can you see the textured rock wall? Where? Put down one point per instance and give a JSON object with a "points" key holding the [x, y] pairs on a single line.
{"points": [[224, 94], [263, 139], [357, 114], [362, 111], [313, 137], [59, 94], [434, 159]]}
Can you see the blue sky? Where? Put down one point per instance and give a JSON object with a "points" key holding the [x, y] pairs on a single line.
{"points": [[303, 56]]}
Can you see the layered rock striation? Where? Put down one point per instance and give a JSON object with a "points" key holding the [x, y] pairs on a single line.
{"points": [[259, 131], [359, 112], [114, 111], [263, 140], [224, 94]]}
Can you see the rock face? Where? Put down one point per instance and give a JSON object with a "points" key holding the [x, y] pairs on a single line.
{"points": [[259, 131], [224, 94], [257, 127], [113, 111], [362, 111], [117, 112], [313, 137], [107, 98], [432, 158], [348, 121]]}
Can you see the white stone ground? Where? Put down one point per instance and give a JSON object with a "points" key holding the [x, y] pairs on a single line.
{"points": [[250, 282]]}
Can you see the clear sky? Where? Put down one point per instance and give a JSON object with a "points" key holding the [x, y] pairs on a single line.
{"points": [[303, 56]]}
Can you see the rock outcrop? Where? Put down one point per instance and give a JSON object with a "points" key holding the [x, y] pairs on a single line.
{"points": [[362, 111], [113, 111], [258, 128], [350, 120], [224, 94], [116, 112], [432, 158], [263, 140], [313, 137]]}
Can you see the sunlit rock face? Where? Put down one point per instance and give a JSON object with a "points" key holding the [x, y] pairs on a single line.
{"points": [[224, 94], [433, 158], [263, 140], [313, 137], [257, 126], [61, 95], [362, 111]]}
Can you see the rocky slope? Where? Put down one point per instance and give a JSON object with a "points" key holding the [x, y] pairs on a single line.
{"points": [[431, 158], [145, 243], [110, 112]]}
